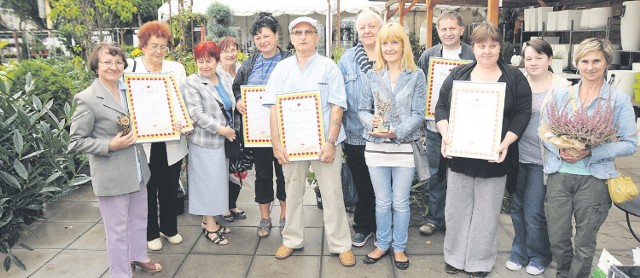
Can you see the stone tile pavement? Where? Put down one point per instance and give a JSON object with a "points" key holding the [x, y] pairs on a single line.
{"points": [[71, 243]]}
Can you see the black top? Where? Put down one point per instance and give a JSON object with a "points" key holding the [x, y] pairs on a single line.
{"points": [[517, 111]]}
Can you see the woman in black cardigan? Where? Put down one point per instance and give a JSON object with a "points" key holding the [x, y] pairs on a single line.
{"points": [[476, 187]]}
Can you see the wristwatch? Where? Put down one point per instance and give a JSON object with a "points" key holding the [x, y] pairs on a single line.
{"points": [[332, 141]]}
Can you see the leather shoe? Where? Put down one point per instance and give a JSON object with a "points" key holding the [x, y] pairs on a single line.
{"points": [[284, 252], [155, 244], [347, 258], [370, 260], [172, 239], [451, 269]]}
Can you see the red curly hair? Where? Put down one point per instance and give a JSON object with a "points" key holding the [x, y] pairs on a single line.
{"points": [[153, 28], [206, 49]]}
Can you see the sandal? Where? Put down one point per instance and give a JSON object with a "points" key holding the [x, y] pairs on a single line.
{"points": [[239, 214], [228, 217], [264, 230], [222, 229], [150, 266], [219, 239]]}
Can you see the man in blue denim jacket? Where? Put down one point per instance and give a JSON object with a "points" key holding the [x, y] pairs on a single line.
{"points": [[450, 29], [354, 65]]}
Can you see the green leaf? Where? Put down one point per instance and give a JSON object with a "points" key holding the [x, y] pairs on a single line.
{"points": [[18, 142], [79, 180], [49, 189], [10, 179], [32, 154], [20, 169], [36, 102], [53, 177], [7, 263], [25, 246], [18, 262]]}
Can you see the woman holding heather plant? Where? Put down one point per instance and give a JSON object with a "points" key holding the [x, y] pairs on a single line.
{"points": [[598, 121]]}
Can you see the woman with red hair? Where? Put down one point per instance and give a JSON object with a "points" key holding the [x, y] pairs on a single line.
{"points": [[209, 97], [165, 158]]}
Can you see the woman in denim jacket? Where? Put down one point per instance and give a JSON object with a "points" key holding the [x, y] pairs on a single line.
{"points": [[576, 185], [354, 64], [398, 84]]}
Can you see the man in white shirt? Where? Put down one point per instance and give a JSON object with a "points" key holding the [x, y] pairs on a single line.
{"points": [[308, 71]]}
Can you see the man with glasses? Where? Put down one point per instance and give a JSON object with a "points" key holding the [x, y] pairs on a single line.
{"points": [[308, 71]]}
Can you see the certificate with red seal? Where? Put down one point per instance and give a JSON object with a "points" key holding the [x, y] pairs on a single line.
{"points": [[255, 121], [151, 109], [475, 119], [300, 124], [439, 69]]}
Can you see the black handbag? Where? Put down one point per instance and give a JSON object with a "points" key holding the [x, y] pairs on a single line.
{"points": [[232, 149], [349, 191]]}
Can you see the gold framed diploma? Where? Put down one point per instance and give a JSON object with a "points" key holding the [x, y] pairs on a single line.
{"points": [[475, 119], [300, 124], [151, 108], [180, 109], [437, 72], [255, 121]]}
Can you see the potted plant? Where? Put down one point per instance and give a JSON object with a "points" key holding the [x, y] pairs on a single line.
{"points": [[557, 64]]}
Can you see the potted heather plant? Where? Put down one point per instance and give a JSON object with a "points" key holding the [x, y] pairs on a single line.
{"points": [[576, 128]]}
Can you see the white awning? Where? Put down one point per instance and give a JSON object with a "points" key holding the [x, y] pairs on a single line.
{"points": [[276, 7]]}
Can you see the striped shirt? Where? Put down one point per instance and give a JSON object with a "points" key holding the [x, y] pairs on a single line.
{"points": [[319, 74], [389, 154]]}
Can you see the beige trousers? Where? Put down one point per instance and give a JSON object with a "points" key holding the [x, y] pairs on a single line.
{"points": [[334, 215]]}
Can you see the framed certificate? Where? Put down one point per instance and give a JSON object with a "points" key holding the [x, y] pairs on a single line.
{"points": [[151, 109], [437, 72], [475, 119], [300, 124], [256, 120], [180, 109]]}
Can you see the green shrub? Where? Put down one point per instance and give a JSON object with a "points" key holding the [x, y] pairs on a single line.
{"points": [[35, 166]]}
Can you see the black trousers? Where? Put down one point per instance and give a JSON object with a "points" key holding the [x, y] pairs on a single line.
{"points": [[265, 164], [364, 217], [234, 192], [162, 190]]}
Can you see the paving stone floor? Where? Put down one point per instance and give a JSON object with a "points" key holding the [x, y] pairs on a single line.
{"points": [[71, 243]]}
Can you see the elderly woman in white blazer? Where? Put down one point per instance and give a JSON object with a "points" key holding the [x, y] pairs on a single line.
{"points": [[208, 97], [119, 170]]}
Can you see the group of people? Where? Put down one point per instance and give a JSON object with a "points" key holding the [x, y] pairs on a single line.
{"points": [[133, 180]]}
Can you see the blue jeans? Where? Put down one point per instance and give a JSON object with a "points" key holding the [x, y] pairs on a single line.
{"points": [[392, 186], [531, 240], [437, 189]]}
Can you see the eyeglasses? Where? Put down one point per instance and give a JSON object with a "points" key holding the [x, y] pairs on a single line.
{"points": [[118, 64], [230, 51], [157, 47], [307, 32]]}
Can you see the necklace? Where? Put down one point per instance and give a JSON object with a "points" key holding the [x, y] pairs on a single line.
{"points": [[150, 68]]}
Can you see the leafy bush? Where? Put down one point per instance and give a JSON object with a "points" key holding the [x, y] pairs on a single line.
{"points": [[220, 21], [35, 165], [57, 79]]}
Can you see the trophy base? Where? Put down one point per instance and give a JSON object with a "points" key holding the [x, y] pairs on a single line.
{"points": [[381, 129]]}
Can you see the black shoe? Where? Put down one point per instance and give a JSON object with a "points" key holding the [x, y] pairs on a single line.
{"points": [[479, 274], [450, 269], [370, 260], [402, 265], [228, 218]]}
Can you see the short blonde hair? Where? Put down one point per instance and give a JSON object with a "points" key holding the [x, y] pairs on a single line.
{"points": [[594, 44], [486, 31], [394, 32]]}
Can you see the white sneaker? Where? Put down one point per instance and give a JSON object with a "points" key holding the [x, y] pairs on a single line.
{"points": [[173, 239], [534, 268], [513, 266], [155, 244]]}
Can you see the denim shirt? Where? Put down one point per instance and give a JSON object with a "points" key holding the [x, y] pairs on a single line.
{"points": [[600, 162], [353, 80], [409, 103]]}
